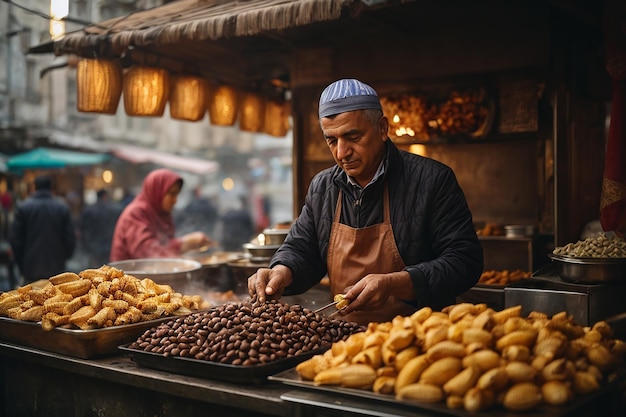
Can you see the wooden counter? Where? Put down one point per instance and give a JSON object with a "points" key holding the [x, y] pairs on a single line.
{"points": [[39, 383]]}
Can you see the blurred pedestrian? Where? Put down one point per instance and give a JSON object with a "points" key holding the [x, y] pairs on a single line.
{"points": [[238, 226], [97, 223], [6, 201], [42, 233], [199, 215], [146, 229]]}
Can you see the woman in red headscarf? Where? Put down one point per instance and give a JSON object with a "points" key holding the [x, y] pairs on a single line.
{"points": [[146, 229]]}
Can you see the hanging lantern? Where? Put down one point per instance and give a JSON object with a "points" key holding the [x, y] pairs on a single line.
{"points": [[276, 118], [252, 113], [188, 98], [223, 106], [146, 91], [98, 85]]}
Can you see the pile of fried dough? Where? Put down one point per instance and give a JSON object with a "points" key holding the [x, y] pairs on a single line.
{"points": [[96, 298], [474, 358]]}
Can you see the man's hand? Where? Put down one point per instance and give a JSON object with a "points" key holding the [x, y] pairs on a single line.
{"points": [[269, 282], [373, 291]]}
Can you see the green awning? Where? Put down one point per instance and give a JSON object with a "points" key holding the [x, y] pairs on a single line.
{"points": [[43, 158]]}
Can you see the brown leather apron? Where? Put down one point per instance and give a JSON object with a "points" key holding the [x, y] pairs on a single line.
{"points": [[354, 253]]}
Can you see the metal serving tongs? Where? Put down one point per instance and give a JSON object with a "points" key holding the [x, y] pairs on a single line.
{"points": [[339, 302]]}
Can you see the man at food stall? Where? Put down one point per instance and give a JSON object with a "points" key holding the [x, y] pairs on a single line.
{"points": [[392, 230]]}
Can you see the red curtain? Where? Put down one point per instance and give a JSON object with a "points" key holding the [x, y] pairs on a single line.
{"points": [[613, 201]]}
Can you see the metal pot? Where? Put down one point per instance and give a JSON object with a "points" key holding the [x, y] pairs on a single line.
{"points": [[590, 270], [519, 230], [174, 272], [260, 252], [275, 236], [216, 273]]}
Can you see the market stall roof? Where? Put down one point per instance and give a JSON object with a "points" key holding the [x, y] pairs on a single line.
{"points": [[227, 40], [43, 158], [136, 154]]}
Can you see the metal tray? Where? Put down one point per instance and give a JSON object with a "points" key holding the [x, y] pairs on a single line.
{"points": [[85, 344], [292, 378], [590, 270], [254, 374]]}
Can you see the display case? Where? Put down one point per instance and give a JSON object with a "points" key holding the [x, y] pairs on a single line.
{"points": [[525, 253]]}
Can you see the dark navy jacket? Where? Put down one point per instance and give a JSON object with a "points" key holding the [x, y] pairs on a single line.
{"points": [[42, 236], [431, 222]]}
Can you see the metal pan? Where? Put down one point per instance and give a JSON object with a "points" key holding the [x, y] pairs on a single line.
{"points": [[254, 374], [85, 344], [590, 270]]}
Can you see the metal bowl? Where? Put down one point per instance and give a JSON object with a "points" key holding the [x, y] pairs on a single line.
{"points": [[275, 236], [589, 270], [260, 252], [174, 272]]}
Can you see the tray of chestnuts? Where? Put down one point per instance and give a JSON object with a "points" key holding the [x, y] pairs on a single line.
{"points": [[241, 342]]}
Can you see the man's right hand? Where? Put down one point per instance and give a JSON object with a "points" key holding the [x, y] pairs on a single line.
{"points": [[269, 282]]}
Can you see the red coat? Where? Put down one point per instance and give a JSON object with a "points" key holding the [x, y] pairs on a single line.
{"points": [[144, 229]]}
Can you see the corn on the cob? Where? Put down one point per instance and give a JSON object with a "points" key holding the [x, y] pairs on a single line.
{"points": [[95, 298], [444, 349], [494, 379], [149, 305], [76, 288], [477, 335], [384, 385], [585, 383], [556, 370], [52, 320], [371, 356], [100, 318], [458, 311], [120, 306], [61, 296], [32, 314], [132, 315], [73, 306], [311, 367], [483, 320], [54, 307], [550, 346], [9, 302], [476, 399], [512, 324], [341, 301], [412, 371], [522, 396], [435, 335], [421, 315], [520, 372], [484, 359], [93, 274], [421, 392], [603, 328], [516, 353], [400, 339], [441, 371], [556, 392], [80, 317], [600, 356], [350, 376], [64, 277], [454, 402], [404, 356], [526, 337], [462, 382], [501, 316]]}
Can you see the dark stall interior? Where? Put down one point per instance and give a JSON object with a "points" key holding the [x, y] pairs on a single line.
{"points": [[540, 65]]}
